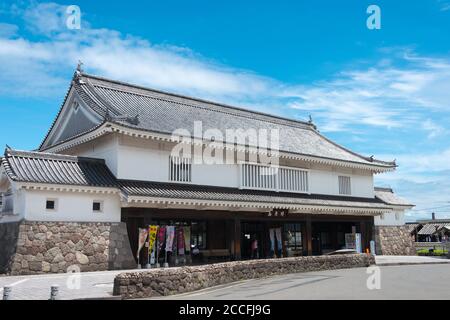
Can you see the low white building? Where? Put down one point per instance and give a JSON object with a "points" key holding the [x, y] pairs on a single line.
{"points": [[108, 163]]}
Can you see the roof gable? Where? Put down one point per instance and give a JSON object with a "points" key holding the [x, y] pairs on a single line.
{"points": [[74, 118]]}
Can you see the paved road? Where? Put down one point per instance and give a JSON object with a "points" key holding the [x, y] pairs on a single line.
{"points": [[397, 282]]}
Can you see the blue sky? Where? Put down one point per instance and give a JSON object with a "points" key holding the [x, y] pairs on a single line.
{"points": [[379, 92]]}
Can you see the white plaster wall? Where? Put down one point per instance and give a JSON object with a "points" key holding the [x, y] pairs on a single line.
{"points": [[225, 175], [148, 160], [390, 219], [71, 206], [135, 163], [323, 180], [105, 148]]}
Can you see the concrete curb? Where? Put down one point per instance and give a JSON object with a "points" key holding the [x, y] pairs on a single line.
{"points": [[388, 264]]}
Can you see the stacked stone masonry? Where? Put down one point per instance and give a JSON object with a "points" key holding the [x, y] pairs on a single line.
{"points": [[9, 233], [163, 282], [394, 241], [56, 247]]}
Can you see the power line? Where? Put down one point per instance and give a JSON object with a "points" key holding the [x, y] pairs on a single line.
{"points": [[448, 206]]}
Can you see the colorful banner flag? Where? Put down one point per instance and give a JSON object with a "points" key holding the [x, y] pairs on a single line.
{"points": [[187, 239], [180, 240], [141, 240], [161, 238], [152, 232], [170, 234]]}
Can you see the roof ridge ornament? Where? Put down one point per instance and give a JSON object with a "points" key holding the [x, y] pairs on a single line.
{"points": [[311, 122], [77, 77], [79, 66]]}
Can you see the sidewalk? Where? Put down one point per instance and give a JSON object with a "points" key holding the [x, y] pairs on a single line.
{"points": [[408, 260], [37, 287]]}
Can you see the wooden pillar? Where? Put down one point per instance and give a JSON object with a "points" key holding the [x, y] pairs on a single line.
{"points": [[364, 237], [309, 236], [236, 225]]}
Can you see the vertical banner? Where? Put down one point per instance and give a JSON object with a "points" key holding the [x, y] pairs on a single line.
{"points": [[152, 232], [180, 240], [141, 240], [279, 242], [161, 238], [161, 241], [187, 239], [272, 240], [358, 244], [169, 238]]}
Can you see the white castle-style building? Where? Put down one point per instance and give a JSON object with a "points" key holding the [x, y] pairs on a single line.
{"points": [[106, 168]]}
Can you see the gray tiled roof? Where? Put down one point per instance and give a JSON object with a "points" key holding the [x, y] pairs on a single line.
{"points": [[431, 228], [164, 113], [389, 197], [412, 226], [198, 192], [38, 167]]}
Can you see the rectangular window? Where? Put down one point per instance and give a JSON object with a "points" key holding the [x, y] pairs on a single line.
{"points": [[345, 185], [180, 169], [260, 177], [50, 204], [97, 206], [198, 235], [293, 239]]}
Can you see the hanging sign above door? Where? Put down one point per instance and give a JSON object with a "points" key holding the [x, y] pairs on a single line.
{"points": [[278, 213]]}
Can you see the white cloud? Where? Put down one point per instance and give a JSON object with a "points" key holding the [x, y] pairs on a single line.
{"points": [[8, 30], [444, 5], [433, 128], [124, 57], [423, 179]]}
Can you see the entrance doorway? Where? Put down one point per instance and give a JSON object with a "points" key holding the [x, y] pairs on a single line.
{"points": [[330, 236], [252, 240]]}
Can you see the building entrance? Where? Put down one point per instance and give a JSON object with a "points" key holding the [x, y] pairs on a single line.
{"points": [[252, 240]]}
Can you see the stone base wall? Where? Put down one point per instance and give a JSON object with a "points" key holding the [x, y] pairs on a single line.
{"points": [[53, 247], [9, 233], [162, 282], [394, 241]]}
